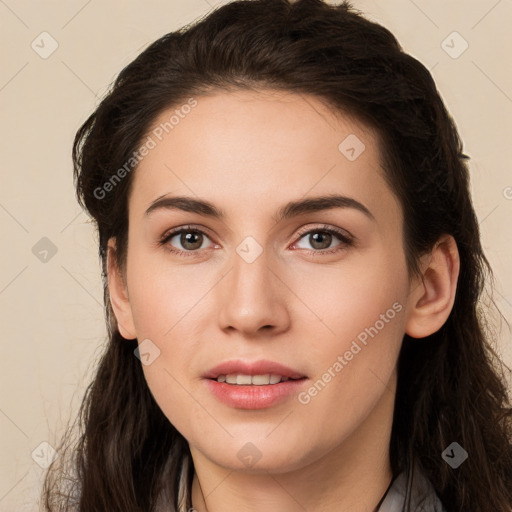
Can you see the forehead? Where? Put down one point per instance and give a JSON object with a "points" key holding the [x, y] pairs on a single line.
{"points": [[250, 145]]}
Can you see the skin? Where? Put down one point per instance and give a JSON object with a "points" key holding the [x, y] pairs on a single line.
{"points": [[249, 153]]}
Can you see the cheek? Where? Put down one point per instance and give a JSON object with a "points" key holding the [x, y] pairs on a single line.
{"points": [[354, 361], [356, 334], [351, 296], [162, 296], [165, 304]]}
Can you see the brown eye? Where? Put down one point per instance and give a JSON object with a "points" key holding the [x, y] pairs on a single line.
{"points": [[191, 241], [320, 240], [185, 240]]}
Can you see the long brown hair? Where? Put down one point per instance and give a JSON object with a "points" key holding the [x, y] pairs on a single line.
{"points": [[451, 386]]}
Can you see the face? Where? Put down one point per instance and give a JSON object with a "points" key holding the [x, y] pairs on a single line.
{"points": [[319, 287]]}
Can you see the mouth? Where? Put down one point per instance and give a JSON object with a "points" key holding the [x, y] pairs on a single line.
{"points": [[253, 385], [267, 379], [258, 373]]}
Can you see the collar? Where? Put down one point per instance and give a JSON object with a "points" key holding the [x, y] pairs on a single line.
{"points": [[422, 496]]}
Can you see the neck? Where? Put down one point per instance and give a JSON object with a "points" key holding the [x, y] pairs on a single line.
{"points": [[352, 477]]}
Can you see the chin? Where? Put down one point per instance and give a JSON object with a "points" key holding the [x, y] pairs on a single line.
{"points": [[261, 457]]}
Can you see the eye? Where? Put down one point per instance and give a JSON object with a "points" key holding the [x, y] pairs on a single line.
{"points": [[321, 239], [190, 239]]}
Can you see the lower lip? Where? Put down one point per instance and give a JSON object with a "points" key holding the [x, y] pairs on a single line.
{"points": [[254, 397]]}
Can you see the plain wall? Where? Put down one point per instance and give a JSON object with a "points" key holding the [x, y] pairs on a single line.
{"points": [[52, 319]]}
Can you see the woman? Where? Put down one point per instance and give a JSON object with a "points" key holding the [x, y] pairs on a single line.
{"points": [[292, 267]]}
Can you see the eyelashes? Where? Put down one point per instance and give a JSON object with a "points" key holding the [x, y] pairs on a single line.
{"points": [[181, 231], [344, 238], [198, 236]]}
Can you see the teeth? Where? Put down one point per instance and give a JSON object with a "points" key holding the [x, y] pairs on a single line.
{"points": [[243, 380], [261, 380], [248, 380], [274, 379]]}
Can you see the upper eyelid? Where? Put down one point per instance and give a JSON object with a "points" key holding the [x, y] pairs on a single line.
{"points": [[326, 227]]}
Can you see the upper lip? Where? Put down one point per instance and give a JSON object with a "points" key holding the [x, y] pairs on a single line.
{"points": [[252, 368]]}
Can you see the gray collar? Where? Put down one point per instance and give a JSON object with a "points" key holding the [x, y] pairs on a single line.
{"points": [[423, 497]]}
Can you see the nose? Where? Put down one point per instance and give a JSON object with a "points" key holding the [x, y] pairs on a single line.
{"points": [[253, 297]]}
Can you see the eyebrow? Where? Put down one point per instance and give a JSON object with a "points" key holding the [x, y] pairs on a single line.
{"points": [[289, 210]]}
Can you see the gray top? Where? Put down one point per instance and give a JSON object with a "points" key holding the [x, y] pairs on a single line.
{"points": [[423, 495]]}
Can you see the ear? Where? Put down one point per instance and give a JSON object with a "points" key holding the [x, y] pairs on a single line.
{"points": [[118, 292], [432, 296]]}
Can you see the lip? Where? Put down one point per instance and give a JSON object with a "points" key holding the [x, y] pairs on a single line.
{"points": [[252, 396], [252, 368]]}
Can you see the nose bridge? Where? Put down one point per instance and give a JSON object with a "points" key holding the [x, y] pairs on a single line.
{"points": [[252, 297], [251, 287]]}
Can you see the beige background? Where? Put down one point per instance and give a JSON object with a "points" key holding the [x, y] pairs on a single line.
{"points": [[51, 313]]}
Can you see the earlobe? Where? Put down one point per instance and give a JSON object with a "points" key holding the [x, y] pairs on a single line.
{"points": [[119, 295], [432, 297]]}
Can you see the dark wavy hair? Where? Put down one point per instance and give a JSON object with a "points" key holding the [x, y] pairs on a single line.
{"points": [[123, 454]]}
